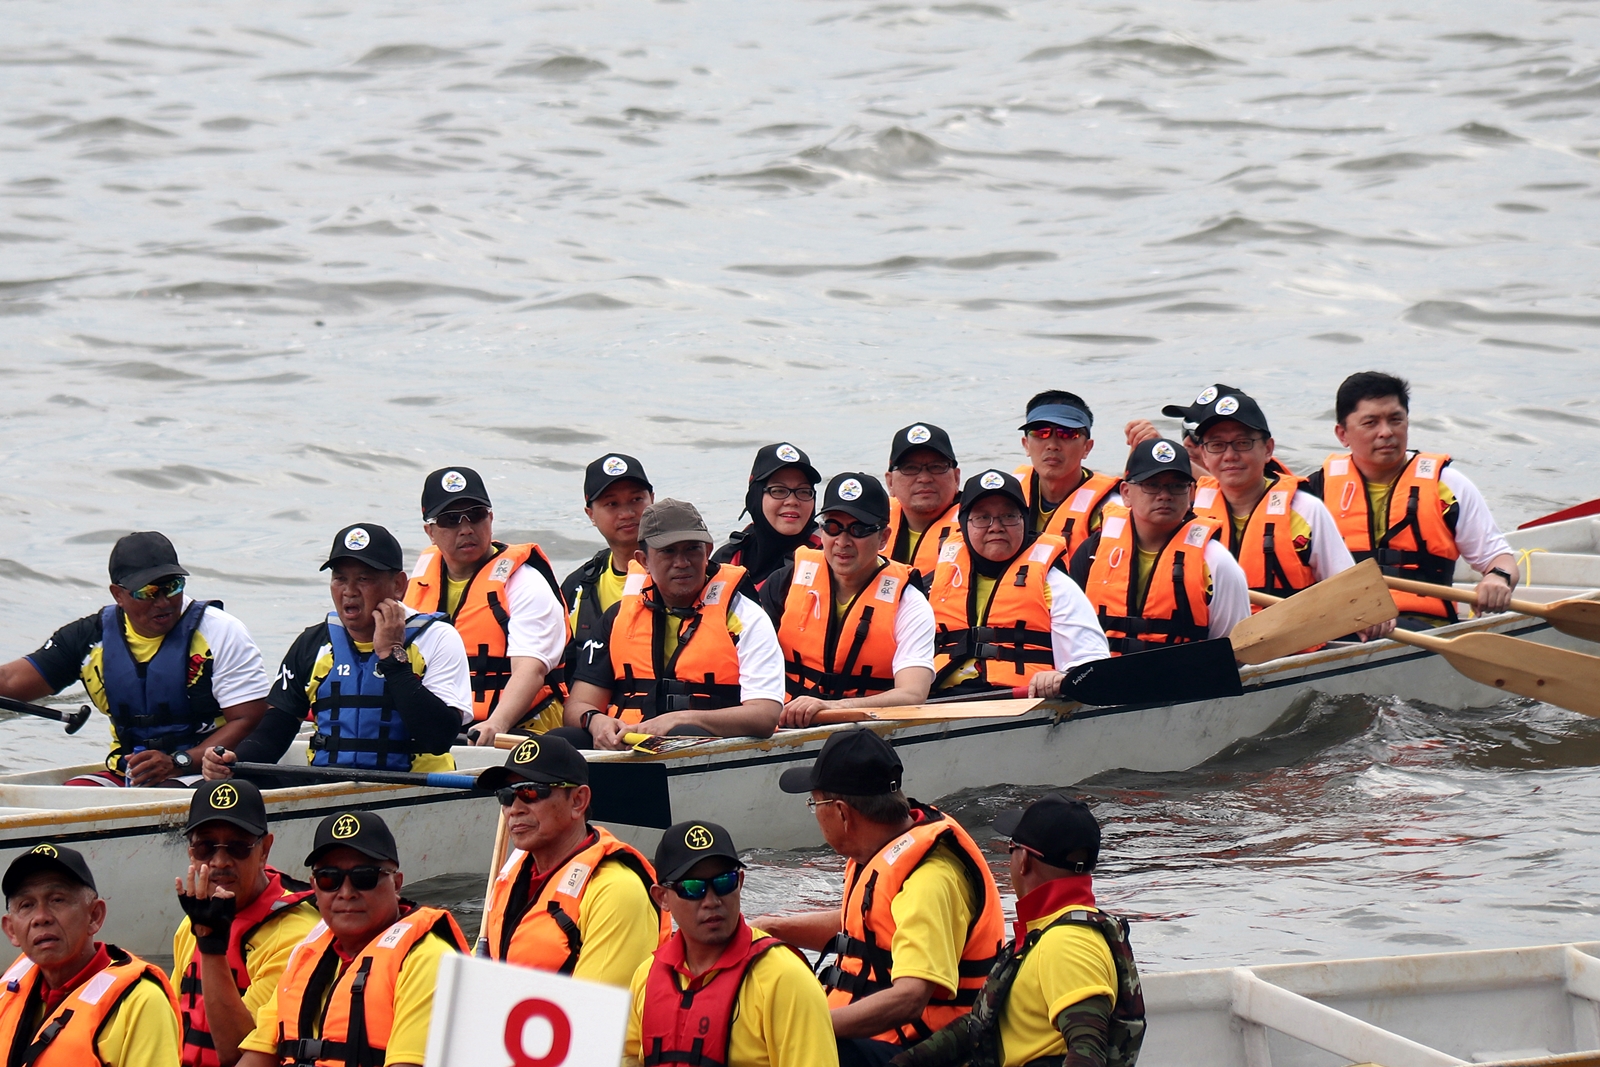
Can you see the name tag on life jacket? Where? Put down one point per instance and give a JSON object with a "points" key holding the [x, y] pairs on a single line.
{"points": [[394, 934], [896, 850], [633, 585], [1204, 498], [1081, 501], [423, 562], [1339, 467], [572, 881], [714, 593], [1114, 525], [1277, 502], [950, 551], [1042, 552], [1197, 535], [502, 571], [887, 586], [804, 573], [1427, 467]]}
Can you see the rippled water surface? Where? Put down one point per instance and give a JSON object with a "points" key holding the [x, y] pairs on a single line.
{"points": [[263, 266]]}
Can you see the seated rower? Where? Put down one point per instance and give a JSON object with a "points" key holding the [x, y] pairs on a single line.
{"points": [[242, 919], [174, 675], [924, 481], [1155, 572], [781, 500], [1007, 612], [387, 686], [1138, 431], [570, 897], [683, 649], [69, 1000], [855, 629], [502, 599], [754, 1000], [358, 988], [1429, 513], [1064, 498]]}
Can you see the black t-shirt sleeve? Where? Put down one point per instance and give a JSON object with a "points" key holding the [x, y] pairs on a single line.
{"points": [[1082, 560], [593, 655], [60, 659], [289, 687], [775, 593], [1314, 484]]}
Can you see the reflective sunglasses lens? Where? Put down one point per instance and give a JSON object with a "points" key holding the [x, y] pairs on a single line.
{"points": [[329, 879], [725, 883], [155, 589], [451, 519], [692, 888], [528, 794]]}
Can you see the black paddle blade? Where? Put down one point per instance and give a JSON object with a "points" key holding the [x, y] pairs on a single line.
{"points": [[633, 794], [1177, 674]]}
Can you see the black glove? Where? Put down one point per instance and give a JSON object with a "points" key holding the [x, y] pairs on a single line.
{"points": [[216, 913]]}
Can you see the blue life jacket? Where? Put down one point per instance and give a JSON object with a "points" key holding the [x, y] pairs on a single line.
{"points": [[149, 702], [357, 724]]}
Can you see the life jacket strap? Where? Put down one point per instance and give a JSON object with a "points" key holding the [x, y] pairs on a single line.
{"points": [[42, 1042], [573, 934]]}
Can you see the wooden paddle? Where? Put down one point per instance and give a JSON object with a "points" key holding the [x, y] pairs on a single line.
{"points": [[502, 847], [1577, 617], [73, 719], [997, 708], [1351, 600], [1556, 676]]}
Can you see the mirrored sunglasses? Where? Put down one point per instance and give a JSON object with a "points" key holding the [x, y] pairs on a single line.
{"points": [[170, 587], [696, 888], [833, 528], [451, 519], [528, 792], [329, 879], [1066, 433]]}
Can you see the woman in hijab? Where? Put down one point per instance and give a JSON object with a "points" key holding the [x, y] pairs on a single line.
{"points": [[782, 503]]}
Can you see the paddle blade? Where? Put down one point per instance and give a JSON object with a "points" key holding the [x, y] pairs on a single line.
{"points": [[1177, 674], [1556, 676], [1351, 600], [983, 709], [1579, 618], [633, 794]]}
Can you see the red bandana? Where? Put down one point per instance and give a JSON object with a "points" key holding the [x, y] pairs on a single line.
{"points": [[1071, 890]]}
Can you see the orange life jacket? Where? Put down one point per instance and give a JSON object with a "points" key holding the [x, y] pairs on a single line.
{"points": [[1174, 609], [862, 946], [67, 1037], [1421, 546], [543, 934], [811, 632], [1266, 552], [926, 557], [483, 619], [199, 1050], [704, 671], [693, 1025], [1072, 517], [1010, 636], [351, 1023]]}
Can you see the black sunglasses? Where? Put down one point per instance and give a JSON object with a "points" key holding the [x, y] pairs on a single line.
{"points": [[204, 850], [451, 519], [329, 879], [833, 528], [696, 888], [528, 792]]}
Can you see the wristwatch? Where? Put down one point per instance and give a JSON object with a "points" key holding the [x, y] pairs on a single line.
{"points": [[1504, 574], [396, 662], [183, 763]]}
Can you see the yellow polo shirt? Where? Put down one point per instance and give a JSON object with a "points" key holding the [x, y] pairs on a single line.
{"points": [[932, 913], [142, 1031], [780, 1020], [413, 1007], [619, 926], [266, 952], [1069, 964]]}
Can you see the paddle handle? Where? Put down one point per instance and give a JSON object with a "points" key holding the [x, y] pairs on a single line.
{"points": [[1016, 692], [1404, 637], [1463, 596], [497, 860], [74, 720]]}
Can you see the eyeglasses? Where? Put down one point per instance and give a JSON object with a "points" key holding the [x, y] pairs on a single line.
{"points": [[1066, 433], [938, 470], [1163, 488], [329, 879], [1245, 444], [528, 792], [983, 522], [170, 587], [783, 492], [451, 519], [833, 528], [813, 803], [204, 850], [696, 888]]}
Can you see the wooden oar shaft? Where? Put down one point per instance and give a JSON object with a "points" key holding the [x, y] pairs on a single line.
{"points": [[502, 838], [1462, 596]]}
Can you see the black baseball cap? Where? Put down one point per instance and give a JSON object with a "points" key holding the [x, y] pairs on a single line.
{"points": [[447, 485], [613, 467], [551, 760], [773, 458], [991, 481], [1237, 406], [364, 831], [231, 800], [1057, 413], [861, 496], [1053, 827], [1190, 413], [46, 857], [368, 543], [855, 763], [137, 559], [920, 435], [685, 844], [1158, 456]]}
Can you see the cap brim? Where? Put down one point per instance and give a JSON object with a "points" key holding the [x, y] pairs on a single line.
{"points": [[361, 557], [675, 537], [1177, 411], [856, 512], [1005, 824], [807, 469], [1237, 416], [589, 498], [140, 579], [1145, 476], [456, 498], [494, 778], [240, 821], [32, 864], [692, 862], [798, 779], [311, 857], [899, 453]]}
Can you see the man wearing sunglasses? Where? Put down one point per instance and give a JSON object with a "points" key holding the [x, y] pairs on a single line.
{"points": [[855, 629], [683, 649], [1063, 496], [921, 919], [924, 480], [502, 599], [781, 500], [242, 918], [570, 898], [387, 686], [69, 1000], [359, 989], [1066, 989], [718, 989], [175, 675], [1156, 573], [1008, 613]]}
